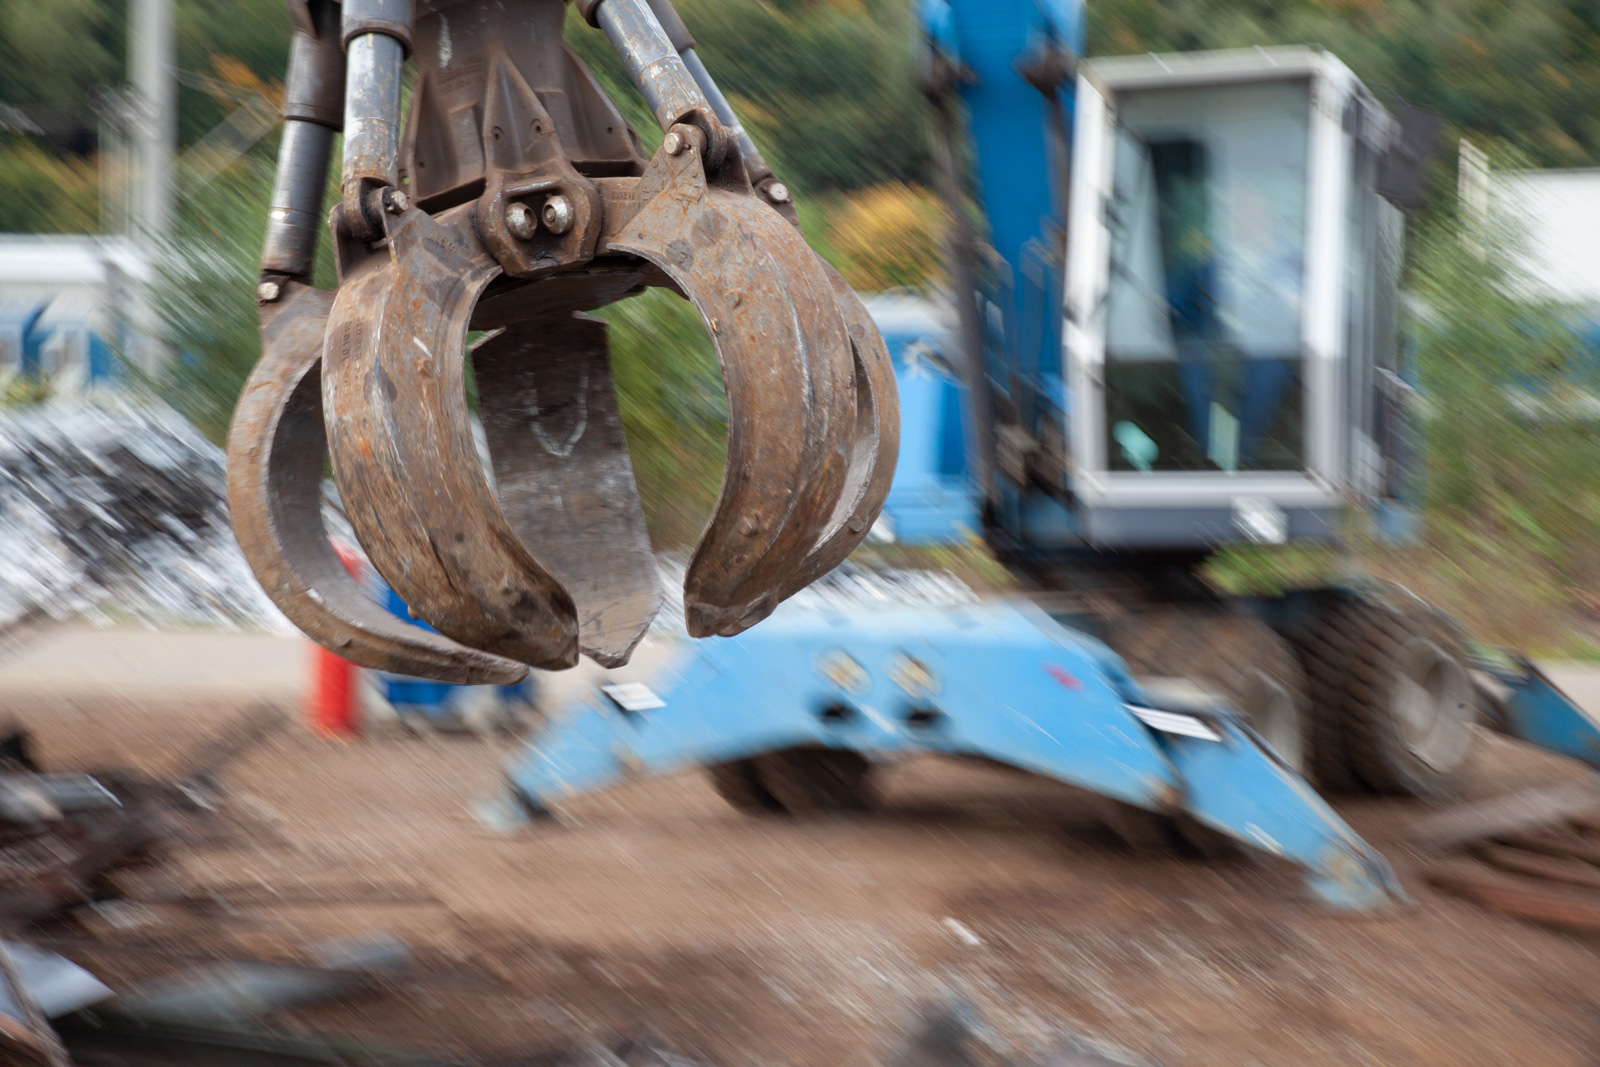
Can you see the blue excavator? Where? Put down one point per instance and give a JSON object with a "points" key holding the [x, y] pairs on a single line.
{"points": [[1171, 327]]}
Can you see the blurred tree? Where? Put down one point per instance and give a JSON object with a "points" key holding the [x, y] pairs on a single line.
{"points": [[207, 297], [41, 192], [54, 55], [242, 42], [669, 387], [885, 236], [824, 86], [1523, 75]]}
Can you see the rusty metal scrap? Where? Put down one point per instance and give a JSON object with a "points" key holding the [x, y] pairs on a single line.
{"points": [[1562, 844], [516, 201], [1538, 901], [1536, 865]]}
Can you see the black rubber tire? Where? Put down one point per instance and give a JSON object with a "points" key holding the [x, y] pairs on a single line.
{"points": [[1391, 647], [806, 781], [1237, 657], [1323, 646], [738, 782]]}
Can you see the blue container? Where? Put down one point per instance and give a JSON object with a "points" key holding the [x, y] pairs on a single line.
{"points": [[441, 703]]}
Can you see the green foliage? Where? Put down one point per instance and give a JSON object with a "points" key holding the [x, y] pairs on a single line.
{"points": [[42, 192], [1514, 447], [207, 293], [254, 32], [207, 298], [670, 389], [884, 237], [55, 53], [824, 87], [1523, 75], [21, 392], [1261, 570]]}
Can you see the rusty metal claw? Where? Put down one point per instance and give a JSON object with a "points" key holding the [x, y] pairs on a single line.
{"points": [[516, 170], [787, 365], [275, 453], [563, 476], [394, 383], [873, 443]]}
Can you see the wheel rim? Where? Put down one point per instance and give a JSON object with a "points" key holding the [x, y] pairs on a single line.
{"points": [[1431, 702], [1276, 718]]}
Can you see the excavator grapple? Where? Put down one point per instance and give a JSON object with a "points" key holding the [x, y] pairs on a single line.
{"points": [[513, 201]]}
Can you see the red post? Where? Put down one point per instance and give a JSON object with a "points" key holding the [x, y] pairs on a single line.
{"points": [[334, 708]]}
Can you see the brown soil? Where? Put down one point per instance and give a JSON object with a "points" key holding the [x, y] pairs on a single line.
{"points": [[658, 909]]}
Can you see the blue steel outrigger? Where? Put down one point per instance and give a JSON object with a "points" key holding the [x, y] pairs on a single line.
{"points": [[996, 680], [999, 681]]}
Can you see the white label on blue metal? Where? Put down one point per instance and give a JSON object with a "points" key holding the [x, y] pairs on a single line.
{"points": [[1173, 722], [1260, 520], [633, 696]]}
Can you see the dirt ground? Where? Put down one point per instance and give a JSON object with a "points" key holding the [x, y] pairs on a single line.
{"points": [[656, 909]]}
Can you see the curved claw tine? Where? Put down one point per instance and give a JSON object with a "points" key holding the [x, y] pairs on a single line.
{"points": [[786, 365], [563, 476], [874, 443], [403, 453], [275, 450]]}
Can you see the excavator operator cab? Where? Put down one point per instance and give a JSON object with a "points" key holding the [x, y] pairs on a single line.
{"points": [[1231, 282]]}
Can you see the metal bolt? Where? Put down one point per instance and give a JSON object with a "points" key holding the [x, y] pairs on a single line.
{"points": [[267, 292], [521, 222], [558, 214], [672, 144], [778, 193], [396, 202]]}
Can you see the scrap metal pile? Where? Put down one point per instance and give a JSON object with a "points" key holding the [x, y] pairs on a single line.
{"points": [[119, 510], [73, 849], [1534, 854]]}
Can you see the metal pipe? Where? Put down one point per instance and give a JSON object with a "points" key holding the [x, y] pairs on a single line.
{"points": [[294, 219], [313, 101], [314, 89], [672, 93], [155, 117], [372, 112], [753, 162], [682, 40]]}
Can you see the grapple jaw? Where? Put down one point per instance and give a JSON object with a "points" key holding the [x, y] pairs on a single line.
{"points": [[563, 477], [787, 366], [404, 458], [538, 553], [276, 449]]}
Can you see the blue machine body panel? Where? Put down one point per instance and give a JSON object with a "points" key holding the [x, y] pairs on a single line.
{"points": [[434, 701], [1009, 126], [1537, 711], [933, 500], [1018, 147], [995, 680]]}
